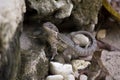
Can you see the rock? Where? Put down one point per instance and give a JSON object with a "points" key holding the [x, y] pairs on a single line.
{"points": [[109, 78], [59, 68], [85, 13], [47, 7], [34, 65], [111, 62], [81, 40], [55, 77], [60, 77], [25, 42], [69, 77], [76, 1], [56, 68], [79, 64], [65, 10], [11, 14], [83, 77], [101, 34], [76, 74], [59, 58], [62, 69], [11, 17]]}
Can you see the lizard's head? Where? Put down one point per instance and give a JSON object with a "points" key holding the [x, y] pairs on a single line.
{"points": [[48, 26]]}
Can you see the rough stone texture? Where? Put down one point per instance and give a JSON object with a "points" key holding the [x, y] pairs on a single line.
{"points": [[111, 61], [85, 13], [34, 64], [25, 42], [11, 17], [11, 14], [61, 8], [81, 40], [55, 77]]}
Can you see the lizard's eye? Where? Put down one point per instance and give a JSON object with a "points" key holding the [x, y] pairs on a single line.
{"points": [[50, 27]]}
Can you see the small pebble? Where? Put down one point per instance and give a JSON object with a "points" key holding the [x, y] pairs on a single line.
{"points": [[59, 58], [101, 34], [55, 77], [83, 77], [79, 64], [81, 40]]}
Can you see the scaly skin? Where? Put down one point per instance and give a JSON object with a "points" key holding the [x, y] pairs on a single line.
{"points": [[55, 38], [90, 49]]}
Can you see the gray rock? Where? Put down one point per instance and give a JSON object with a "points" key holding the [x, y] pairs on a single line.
{"points": [[81, 40], [25, 42], [55, 77], [47, 7], [85, 13], [34, 65], [111, 62], [59, 58]]}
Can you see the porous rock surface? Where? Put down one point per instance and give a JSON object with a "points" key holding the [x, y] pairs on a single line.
{"points": [[34, 63], [84, 13], [61, 8], [111, 62], [11, 14]]}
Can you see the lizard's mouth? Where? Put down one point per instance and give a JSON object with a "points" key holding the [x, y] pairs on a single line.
{"points": [[50, 27]]}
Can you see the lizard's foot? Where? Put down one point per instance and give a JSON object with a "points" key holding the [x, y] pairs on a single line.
{"points": [[53, 55]]}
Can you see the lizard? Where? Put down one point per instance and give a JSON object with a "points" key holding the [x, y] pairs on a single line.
{"points": [[56, 39]]}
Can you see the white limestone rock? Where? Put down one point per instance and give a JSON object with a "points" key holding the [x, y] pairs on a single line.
{"points": [[58, 68], [69, 77], [55, 77], [83, 77], [79, 64], [81, 40], [47, 7], [11, 14]]}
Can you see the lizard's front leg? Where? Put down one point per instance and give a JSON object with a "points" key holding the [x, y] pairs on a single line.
{"points": [[54, 50], [52, 37]]}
